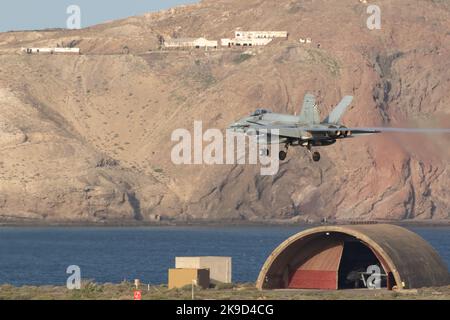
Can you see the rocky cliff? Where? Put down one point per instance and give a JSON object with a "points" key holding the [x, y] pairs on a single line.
{"points": [[87, 138]]}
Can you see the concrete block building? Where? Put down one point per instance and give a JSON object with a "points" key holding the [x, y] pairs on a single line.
{"points": [[219, 267], [179, 278]]}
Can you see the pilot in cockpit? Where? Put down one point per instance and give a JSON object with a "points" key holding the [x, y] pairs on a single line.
{"points": [[260, 112]]}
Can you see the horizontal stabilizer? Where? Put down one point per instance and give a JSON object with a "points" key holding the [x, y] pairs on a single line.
{"points": [[335, 116]]}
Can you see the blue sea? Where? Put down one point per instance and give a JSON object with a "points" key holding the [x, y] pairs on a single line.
{"points": [[40, 256]]}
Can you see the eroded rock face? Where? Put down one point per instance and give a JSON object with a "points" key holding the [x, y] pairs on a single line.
{"points": [[88, 138]]}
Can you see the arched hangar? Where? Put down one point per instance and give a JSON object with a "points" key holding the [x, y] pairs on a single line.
{"points": [[343, 257]]}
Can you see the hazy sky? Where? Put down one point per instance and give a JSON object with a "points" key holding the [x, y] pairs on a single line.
{"points": [[40, 14]]}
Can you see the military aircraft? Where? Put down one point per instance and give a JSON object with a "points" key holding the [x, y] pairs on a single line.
{"points": [[307, 130]]}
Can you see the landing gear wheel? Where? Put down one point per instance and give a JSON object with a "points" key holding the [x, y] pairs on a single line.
{"points": [[282, 155], [264, 152], [316, 156]]}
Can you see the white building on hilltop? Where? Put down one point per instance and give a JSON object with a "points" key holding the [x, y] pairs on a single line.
{"points": [[245, 42], [51, 50], [252, 38], [307, 40], [238, 34], [190, 43]]}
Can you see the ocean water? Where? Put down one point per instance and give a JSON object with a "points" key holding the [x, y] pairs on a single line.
{"points": [[40, 256]]}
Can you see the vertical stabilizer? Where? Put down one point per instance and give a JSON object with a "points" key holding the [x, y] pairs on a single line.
{"points": [[335, 116], [309, 113]]}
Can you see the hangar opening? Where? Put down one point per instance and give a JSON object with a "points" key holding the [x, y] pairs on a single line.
{"points": [[355, 262], [348, 257], [333, 261]]}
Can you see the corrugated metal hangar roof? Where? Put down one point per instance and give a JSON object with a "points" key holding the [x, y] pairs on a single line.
{"points": [[329, 257]]}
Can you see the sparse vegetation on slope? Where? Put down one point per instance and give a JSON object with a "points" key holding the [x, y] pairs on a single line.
{"points": [[87, 137]]}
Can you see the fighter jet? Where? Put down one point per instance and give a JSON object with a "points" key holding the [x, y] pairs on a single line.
{"points": [[307, 130]]}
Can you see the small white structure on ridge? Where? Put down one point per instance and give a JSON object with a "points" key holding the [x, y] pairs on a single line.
{"points": [[307, 40]]}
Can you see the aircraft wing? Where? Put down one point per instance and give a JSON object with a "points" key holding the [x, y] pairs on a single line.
{"points": [[270, 125], [284, 130], [354, 131], [302, 132], [404, 130], [374, 130]]}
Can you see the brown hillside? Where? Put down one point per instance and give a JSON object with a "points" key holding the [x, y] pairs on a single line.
{"points": [[87, 138]]}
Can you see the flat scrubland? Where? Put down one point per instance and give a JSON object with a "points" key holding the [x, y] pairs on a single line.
{"points": [[125, 291]]}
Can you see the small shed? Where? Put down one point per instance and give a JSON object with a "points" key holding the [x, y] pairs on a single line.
{"points": [[219, 267], [178, 278]]}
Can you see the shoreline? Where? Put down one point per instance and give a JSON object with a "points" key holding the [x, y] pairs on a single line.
{"points": [[210, 223]]}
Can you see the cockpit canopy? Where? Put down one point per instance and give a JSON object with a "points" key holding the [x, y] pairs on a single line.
{"points": [[260, 112]]}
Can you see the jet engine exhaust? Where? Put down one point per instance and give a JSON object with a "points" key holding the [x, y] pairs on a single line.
{"points": [[415, 130]]}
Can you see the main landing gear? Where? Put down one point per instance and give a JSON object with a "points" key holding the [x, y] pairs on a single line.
{"points": [[281, 155], [315, 155]]}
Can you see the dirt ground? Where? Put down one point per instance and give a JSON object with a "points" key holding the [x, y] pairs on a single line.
{"points": [[125, 291]]}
